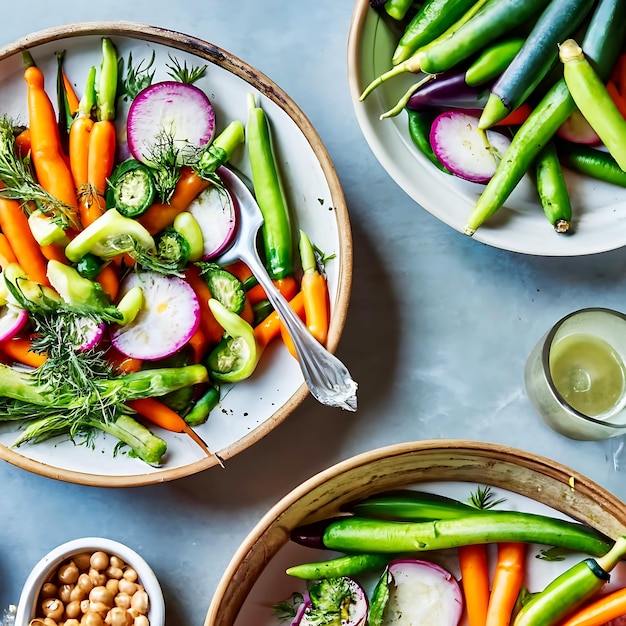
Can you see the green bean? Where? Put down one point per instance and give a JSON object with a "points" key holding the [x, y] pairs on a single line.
{"points": [[591, 162], [492, 61], [349, 565], [552, 189]]}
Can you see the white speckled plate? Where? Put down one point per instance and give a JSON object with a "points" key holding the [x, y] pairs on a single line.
{"points": [[248, 410], [520, 225]]}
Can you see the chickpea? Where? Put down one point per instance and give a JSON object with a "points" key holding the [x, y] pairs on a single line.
{"points": [[65, 593], [82, 561], [113, 585], [84, 605], [118, 617], [77, 594], [139, 602], [72, 609], [97, 577], [53, 608], [141, 620], [114, 572], [85, 583], [130, 573], [122, 600], [71, 622], [101, 595], [126, 586], [115, 561], [91, 619], [99, 560], [49, 590], [68, 573]]}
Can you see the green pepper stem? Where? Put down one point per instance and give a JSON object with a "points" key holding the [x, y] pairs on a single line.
{"points": [[107, 84], [307, 254], [87, 101]]}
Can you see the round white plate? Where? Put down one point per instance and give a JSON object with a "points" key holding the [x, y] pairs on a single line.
{"points": [[250, 409], [520, 225]]}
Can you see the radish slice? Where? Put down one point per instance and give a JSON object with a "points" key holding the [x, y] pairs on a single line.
{"points": [[12, 320], [578, 130], [466, 151], [218, 218], [90, 333], [421, 594], [179, 110], [169, 317], [324, 595]]}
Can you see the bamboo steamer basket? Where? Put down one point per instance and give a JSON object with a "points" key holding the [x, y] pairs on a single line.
{"points": [[391, 467]]}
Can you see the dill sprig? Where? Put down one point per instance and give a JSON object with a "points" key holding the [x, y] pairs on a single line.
{"points": [[165, 157], [483, 498], [184, 74], [135, 78]]}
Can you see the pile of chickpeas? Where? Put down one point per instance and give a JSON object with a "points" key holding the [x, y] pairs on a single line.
{"points": [[92, 589]]}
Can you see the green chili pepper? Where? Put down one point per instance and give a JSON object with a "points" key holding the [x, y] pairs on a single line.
{"points": [[107, 83], [172, 247], [592, 162], [224, 286], [419, 131], [187, 225], [593, 100], [492, 61], [89, 266], [236, 356], [552, 189], [358, 535], [398, 8], [202, 407], [131, 188], [276, 230], [219, 151], [602, 43], [571, 589], [379, 600], [349, 565]]}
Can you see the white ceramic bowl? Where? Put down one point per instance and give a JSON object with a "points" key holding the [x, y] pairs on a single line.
{"points": [[250, 409], [48, 565], [255, 579]]}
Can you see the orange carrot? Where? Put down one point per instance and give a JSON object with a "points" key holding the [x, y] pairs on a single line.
{"points": [[101, 159], [162, 415], [287, 286], [22, 143], [14, 224], [617, 97], [109, 281], [72, 98], [51, 167], [516, 117], [198, 345], [475, 582], [160, 216], [213, 331], [20, 350], [286, 337], [80, 133], [507, 583], [600, 611], [315, 291], [269, 328], [122, 363], [6, 252]]}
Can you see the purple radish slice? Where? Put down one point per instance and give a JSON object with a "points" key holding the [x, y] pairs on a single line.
{"points": [[302, 607], [340, 598], [578, 130], [421, 593], [217, 214], [91, 333], [169, 317], [466, 151], [12, 320], [179, 110]]}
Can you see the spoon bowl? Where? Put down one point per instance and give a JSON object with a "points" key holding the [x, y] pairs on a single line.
{"points": [[327, 378]]}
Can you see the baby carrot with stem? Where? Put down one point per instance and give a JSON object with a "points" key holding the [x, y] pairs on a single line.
{"points": [[507, 582], [474, 568], [162, 415], [314, 290]]}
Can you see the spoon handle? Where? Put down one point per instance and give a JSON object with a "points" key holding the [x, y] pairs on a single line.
{"points": [[328, 379]]}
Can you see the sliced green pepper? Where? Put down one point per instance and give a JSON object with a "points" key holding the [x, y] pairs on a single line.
{"points": [[237, 355], [224, 286], [172, 247], [131, 188]]}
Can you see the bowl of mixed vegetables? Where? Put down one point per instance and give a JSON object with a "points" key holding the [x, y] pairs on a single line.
{"points": [[515, 108], [138, 341], [444, 532]]}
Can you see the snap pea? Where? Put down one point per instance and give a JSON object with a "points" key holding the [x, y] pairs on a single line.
{"points": [[571, 589], [593, 100], [348, 565], [592, 162], [553, 192], [358, 534], [602, 44], [492, 61], [534, 60], [276, 230]]}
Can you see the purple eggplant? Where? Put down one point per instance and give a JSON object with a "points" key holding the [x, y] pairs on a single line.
{"points": [[448, 91]]}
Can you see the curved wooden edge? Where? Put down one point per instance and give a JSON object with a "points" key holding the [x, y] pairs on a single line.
{"points": [[216, 55], [321, 496]]}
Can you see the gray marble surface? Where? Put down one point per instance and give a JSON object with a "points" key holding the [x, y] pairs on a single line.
{"points": [[437, 333]]}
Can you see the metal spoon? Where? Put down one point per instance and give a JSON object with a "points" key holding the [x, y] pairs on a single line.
{"points": [[326, 376]]}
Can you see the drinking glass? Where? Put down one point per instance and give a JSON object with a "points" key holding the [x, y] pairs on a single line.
{"points": [[575, 376]]}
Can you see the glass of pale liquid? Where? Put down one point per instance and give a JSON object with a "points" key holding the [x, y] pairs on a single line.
{"points": [[576, 375]]}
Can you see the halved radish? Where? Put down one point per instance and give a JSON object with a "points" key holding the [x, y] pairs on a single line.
{"points": [[417, 592], [180, 110], [12, 320], [218, 217], [465, 150], [578, 130], [169, 317], [90, 331]]}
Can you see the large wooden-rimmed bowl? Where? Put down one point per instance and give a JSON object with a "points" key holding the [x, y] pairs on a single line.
{"points": [[255, 577], [251, 409]]}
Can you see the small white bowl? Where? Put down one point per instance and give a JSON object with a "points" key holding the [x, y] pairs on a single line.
{"points": [[46, 567]]}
